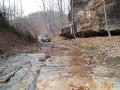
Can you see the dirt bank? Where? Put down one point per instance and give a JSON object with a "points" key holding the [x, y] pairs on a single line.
{"points": [[11, 41]]}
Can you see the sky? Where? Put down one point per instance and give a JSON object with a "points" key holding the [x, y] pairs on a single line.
{"points": [[31, 6]]}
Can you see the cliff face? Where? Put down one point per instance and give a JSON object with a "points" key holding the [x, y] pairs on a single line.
{"points": [[76, 6], [113, 14], [115, 10], [89, 14]]}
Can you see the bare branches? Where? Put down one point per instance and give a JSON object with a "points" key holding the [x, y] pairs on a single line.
{"points": [[54, 23], [21, 8], [11, 9]]}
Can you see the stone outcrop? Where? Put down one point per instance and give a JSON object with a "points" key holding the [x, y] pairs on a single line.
{"points": [[89, 14]]}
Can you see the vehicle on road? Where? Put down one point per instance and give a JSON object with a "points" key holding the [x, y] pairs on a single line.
{"points": [[45, 38]]}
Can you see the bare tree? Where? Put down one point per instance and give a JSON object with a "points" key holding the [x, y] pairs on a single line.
{"points": [[9, 10], [48, 23], [49, 9], [60, 6], [3, 8], [106, 20], [21, 8], [14, 8]]}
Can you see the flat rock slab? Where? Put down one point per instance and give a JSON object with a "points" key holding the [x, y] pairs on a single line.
{"points": [[20, 72], [5, 78]]}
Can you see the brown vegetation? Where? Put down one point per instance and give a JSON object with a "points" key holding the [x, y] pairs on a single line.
{"points": [[11, 41]]}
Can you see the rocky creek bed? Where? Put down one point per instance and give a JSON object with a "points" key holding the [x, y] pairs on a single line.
{"points": [[72, 66]]}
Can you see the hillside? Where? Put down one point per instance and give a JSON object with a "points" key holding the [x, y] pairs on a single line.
{"points": [[12, 42], [9, 40]]}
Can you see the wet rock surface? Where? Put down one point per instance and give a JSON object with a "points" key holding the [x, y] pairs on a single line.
{"points": [[20, 72]]}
